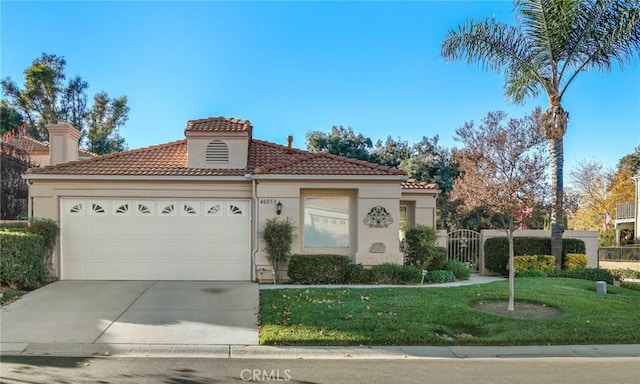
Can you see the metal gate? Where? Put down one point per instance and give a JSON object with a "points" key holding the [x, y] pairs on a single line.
{"points": [[463, 245]]}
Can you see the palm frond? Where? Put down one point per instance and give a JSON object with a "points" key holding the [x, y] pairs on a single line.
{"points": [[606, 32], [498, 47]]}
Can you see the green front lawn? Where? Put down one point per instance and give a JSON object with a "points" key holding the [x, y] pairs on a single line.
{"points": [[443, 316]]}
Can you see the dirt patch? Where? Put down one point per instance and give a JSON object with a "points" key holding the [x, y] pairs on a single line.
{"points": [[523, 310]]}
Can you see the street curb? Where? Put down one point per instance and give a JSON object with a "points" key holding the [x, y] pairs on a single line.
{"points": [[316, 352]]}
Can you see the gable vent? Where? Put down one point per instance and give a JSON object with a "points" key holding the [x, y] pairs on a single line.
{"points": [[217, 152]]}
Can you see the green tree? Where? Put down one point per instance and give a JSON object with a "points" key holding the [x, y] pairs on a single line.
{"points": [[432, 162], [554, 42], [341, 141], [48, 97], [391, 153], [630, 164], [10, 118], [102, 124], [501, 169]]}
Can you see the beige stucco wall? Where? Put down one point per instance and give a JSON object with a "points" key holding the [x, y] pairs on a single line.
{"points": [[363, 195], [238, 152], [590, 239], [634, 265]]}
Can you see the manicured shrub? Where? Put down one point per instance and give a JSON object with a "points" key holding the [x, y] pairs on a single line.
{"points": [[319, 269], [409, 274], [421, 250], [496, 250], [575, 261], [627, 273], [437, 260], [16, 226], [572, 246], [440, 276], [531, 273], [461, 271], [358, 274], [22, 259], [595, 274], [278, 236], [46, 228], [389, 273], [545, 263]]}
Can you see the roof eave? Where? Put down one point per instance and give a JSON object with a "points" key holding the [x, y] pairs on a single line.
{"points": [[36, 176], [421, 191], [331, 177]]}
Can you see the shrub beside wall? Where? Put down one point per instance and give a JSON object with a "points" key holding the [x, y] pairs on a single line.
{"points": [[496, 250], [389, 273], [22, 259], [319, 269], [575, 261], [544, 263]]}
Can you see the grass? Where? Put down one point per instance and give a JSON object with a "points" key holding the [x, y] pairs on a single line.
{"points": [[9, 294], [443, 316]]}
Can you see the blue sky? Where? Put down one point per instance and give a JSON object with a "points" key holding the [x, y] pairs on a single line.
{"points": [[294, 67]]}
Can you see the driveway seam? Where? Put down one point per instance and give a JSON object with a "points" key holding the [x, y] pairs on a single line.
{"points": [[123, 312]]}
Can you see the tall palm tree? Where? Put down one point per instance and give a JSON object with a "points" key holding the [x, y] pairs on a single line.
{"points": [[554, 41]]}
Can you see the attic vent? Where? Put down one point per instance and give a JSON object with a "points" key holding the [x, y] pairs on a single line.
{"points": [[217, 152]]}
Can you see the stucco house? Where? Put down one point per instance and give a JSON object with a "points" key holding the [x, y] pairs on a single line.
{"points": [[626, 222], [193, 209]]}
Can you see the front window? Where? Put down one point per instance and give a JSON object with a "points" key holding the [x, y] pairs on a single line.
{"points": [[326, 222]]}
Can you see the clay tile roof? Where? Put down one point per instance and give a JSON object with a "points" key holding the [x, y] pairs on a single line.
{"points": [[264, 158], [33, 145], [218, 124], [415, 184]]}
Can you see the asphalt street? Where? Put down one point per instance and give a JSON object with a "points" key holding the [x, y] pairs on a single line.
{"points": [[111, 370]]}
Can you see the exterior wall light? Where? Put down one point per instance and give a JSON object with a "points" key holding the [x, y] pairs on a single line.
{"points": [[278, 208]]}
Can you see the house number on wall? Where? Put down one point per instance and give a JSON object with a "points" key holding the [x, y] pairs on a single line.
{"points": [[267, 201], [378, 217]]}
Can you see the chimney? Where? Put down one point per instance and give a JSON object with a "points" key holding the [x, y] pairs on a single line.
{"points": [[63, 143], [289, 141]]}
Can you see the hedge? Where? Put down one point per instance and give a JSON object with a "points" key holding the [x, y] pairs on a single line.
{"points": [[575, 261], [319, 269], [389, 273], [544, 263], [496, 250], [595, 274], [22, 259]]}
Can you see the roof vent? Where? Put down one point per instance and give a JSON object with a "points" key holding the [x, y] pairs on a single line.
{"points": [[217, 152]]}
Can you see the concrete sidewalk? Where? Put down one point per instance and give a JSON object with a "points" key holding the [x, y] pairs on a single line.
{"points": [[270, 352], [474, 279]]}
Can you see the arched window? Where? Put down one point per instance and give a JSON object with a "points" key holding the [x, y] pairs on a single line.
{"points": [[217, 152]]}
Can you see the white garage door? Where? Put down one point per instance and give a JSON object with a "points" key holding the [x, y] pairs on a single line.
{"points": [[155, 239]]}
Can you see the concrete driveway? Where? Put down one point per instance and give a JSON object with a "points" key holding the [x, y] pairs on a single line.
{"points": [[134, 312]]}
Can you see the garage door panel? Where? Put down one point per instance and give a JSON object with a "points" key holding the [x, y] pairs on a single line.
{"points": [[154, 239]]}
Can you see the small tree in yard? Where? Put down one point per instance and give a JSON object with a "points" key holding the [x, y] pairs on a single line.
{"points": [[278, 236], [502, 170]]}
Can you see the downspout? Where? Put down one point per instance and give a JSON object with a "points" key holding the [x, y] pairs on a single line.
{"points": [[254, 252]]}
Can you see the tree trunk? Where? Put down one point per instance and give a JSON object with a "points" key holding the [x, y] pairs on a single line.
{"points": [[512, 270], [557, 209]]}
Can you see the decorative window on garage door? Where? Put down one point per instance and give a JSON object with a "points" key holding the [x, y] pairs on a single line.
{"points": [[167, 208], [190, 208], [121, 208], [236, 208], [213, 208], [75, 207], [99, 208], [144, 208]]}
